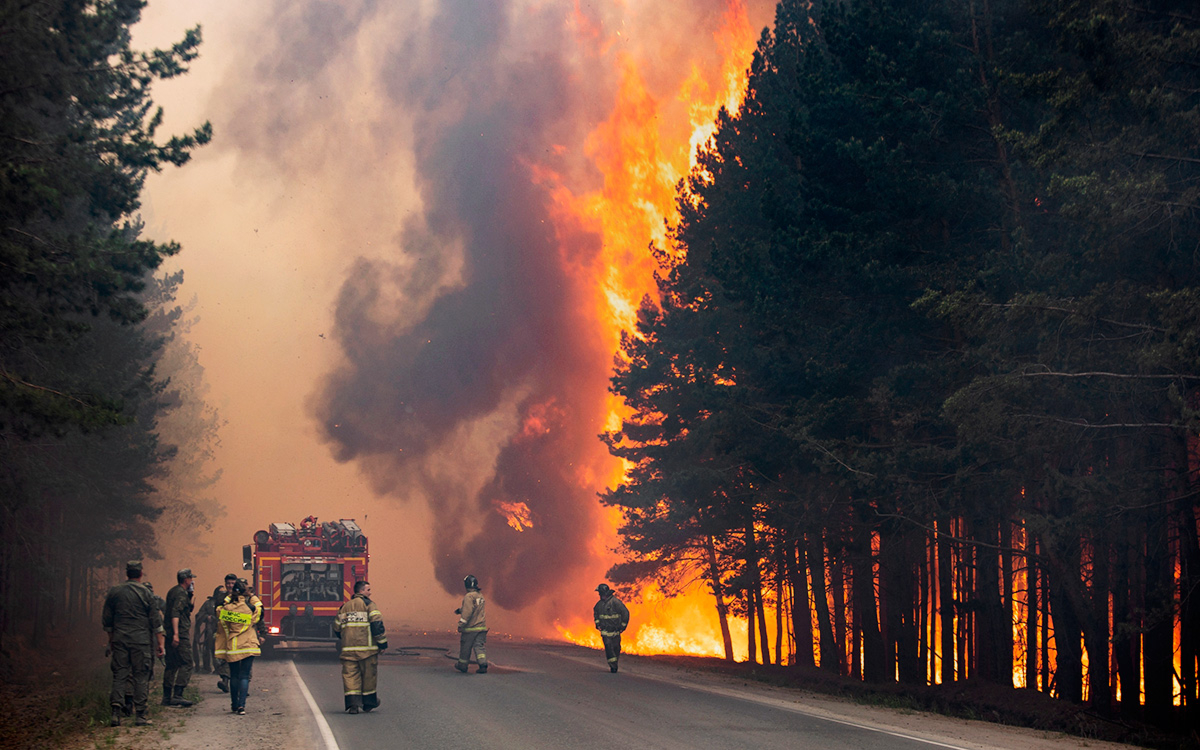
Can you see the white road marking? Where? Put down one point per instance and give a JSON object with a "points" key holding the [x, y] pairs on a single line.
{"points": [[326, 732], [774, 703]]}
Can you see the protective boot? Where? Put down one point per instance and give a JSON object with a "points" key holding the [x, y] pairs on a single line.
{"points": [[223, 684], [461, 667], [612, 667], [179, 700], [128, 708], [167, 700], [482, 670], [142, 721], [115, 721]]}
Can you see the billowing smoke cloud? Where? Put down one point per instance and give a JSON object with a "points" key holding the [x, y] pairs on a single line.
{"points": [[506, 341], [473, 374]]}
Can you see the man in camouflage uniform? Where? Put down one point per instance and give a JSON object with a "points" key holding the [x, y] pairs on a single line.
{"points": [[612, 617], [204, 637], [361, 635], [177, 621], [133, 625]]}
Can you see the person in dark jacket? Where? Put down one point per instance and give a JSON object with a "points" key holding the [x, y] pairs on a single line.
{"points": [[612, 618], [134, 627]]}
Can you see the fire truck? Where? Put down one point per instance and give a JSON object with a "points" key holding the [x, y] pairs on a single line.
{"points": [[303, 574]]}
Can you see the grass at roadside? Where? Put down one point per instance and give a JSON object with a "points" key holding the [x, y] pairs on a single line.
{"points": [[967, 700], [60, 698]]}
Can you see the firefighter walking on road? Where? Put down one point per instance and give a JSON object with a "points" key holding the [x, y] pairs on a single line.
{"points": [[359, 625], [472, 628], [178, 625], [133, 623], [612, 617]]}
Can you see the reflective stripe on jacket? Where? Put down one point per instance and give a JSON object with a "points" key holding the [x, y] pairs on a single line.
{"points": [[471, 619], [236, 637], [612, 617], [353, 625]]}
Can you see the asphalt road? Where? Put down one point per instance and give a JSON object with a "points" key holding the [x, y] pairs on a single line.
{"points": [[551, 696]]}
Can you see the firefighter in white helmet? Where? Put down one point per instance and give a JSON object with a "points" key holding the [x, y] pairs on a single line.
{"points": [[359, 626]]}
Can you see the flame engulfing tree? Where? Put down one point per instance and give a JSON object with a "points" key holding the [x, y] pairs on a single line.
{"points": [[78, 396], [923, 374]]}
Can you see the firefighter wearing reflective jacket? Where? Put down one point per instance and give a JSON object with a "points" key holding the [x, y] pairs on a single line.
{"points": [[472, 627], [612, 617], [237, 642], [359, 626]]}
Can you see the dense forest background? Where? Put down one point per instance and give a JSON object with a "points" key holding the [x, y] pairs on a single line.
{"points": [[922, 379], [104, 431]]}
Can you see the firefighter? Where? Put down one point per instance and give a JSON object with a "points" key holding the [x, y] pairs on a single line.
{"points": [[178, 623], [612, 617], [133, 624], [361, 639], [237, 642], [222, 666], [472, 627]]}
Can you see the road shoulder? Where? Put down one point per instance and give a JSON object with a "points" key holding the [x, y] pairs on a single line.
{"points": [[276, 714]]}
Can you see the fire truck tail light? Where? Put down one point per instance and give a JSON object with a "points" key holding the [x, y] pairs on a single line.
{"points": [[273, 630]]}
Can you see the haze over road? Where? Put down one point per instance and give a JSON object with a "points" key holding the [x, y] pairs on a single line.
{"points": [[557, 696]]}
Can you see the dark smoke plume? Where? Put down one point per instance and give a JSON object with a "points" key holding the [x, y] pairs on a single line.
{"points": [[501, 338], [474, 373]]}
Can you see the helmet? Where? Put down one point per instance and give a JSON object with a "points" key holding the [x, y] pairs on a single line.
{"points": [[471, 582], [604, 589]]}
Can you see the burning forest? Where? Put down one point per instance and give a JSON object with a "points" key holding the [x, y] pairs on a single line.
{"points": [[857, 337], [895, 396]]}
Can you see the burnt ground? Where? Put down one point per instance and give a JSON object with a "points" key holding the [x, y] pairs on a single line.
{"points": [[967, 700]]}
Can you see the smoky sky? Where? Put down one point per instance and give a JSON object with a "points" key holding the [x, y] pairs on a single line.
{"points": [[494, 314], [473, 373]]}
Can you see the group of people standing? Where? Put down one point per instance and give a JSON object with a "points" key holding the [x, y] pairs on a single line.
{"points": [[141, 626]]}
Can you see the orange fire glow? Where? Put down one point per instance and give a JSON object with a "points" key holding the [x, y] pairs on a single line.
{"points": [[518, 515], [643, 151]]}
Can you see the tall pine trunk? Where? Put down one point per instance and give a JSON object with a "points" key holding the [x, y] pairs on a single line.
{"points": [[946, 605], [816, 565], [714, 581], [801, 608]]}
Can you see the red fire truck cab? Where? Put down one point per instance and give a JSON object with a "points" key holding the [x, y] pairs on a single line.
{"points": [[303, 574]]}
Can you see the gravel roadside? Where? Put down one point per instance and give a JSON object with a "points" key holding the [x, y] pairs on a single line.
{"points": [[277, 716]]}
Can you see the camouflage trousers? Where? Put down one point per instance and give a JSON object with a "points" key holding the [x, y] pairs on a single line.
{"points": [[179, 664], [131, 666]]}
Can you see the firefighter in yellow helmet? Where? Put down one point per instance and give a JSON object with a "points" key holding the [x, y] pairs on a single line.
{"points": [[612, 617], [359, 625]]}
